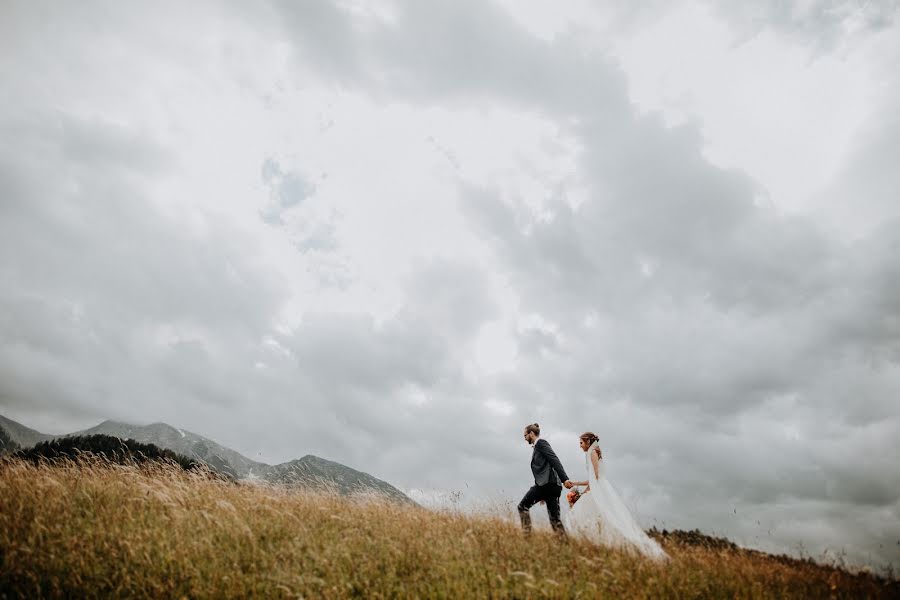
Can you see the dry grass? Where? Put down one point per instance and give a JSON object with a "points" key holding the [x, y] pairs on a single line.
{"points": [[94, 530]]}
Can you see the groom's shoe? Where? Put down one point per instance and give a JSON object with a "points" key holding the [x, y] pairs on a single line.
{"points": [[525, 516], [560, 532], [556, 524]]}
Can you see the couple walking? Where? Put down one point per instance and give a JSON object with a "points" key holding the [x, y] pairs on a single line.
{"points": [[598, 514]]}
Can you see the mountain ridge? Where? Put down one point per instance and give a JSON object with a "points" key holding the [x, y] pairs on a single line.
{"points": [[22, 435], [346, 480], [309, 471]]}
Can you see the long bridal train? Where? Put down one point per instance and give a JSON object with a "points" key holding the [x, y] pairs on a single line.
{"points": [[600, 515]]}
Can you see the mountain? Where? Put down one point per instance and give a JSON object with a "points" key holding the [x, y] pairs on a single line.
{"points": [[115, 450], [186, 443], [309, 471], [7, 444], [21, 435], [312, 470]]}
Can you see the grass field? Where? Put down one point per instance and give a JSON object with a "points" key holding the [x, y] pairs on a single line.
{"points": [[94, 530]]}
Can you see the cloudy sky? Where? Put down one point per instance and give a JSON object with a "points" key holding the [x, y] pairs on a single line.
{"points": [[392, 234]]}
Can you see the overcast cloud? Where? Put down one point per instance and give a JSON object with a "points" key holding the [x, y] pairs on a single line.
{"points": [[392, 234]]}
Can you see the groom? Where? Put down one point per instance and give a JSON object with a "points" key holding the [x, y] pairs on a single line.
{"points": [[548, 475]]}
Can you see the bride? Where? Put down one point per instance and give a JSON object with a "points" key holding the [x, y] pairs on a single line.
{"points": [[600, 515]]}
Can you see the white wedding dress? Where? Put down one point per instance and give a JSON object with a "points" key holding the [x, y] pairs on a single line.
{"points": [[601, 516]]}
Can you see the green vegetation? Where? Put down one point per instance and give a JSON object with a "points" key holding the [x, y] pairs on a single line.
{"points": [[111, 449], [90, 528]]}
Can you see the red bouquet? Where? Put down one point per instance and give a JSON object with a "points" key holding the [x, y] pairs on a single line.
{"points": [[573, 497]]}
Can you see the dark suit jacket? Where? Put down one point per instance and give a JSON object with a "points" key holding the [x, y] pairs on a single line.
{"points": [[546, 466]]}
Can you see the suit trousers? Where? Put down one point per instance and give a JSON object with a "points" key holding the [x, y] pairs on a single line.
{"points": [[549, 493]]}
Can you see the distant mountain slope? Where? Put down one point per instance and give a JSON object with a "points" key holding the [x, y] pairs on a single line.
{"points": [[7, 444], [23, 436], [183, 442], [311, 470], [114, 449]]}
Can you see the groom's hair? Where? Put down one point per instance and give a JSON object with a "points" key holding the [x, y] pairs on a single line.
{"points": [[533, 428]]}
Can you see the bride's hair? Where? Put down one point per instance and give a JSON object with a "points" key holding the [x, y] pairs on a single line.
{"points": [[590, 437], [533, 428]]}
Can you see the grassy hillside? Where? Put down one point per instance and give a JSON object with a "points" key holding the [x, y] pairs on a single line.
{"points": [[96, 530]]}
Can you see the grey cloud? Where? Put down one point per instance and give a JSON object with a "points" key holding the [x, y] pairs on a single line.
{"points": [[865, 191], [451, 297], [534, 341], [95, 143], [93, 275], [826, 23], [464, 53], [420, 346], [351, 351], [328, 40]]}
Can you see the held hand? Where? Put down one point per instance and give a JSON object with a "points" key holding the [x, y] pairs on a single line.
{"points": [[569, 485]]}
